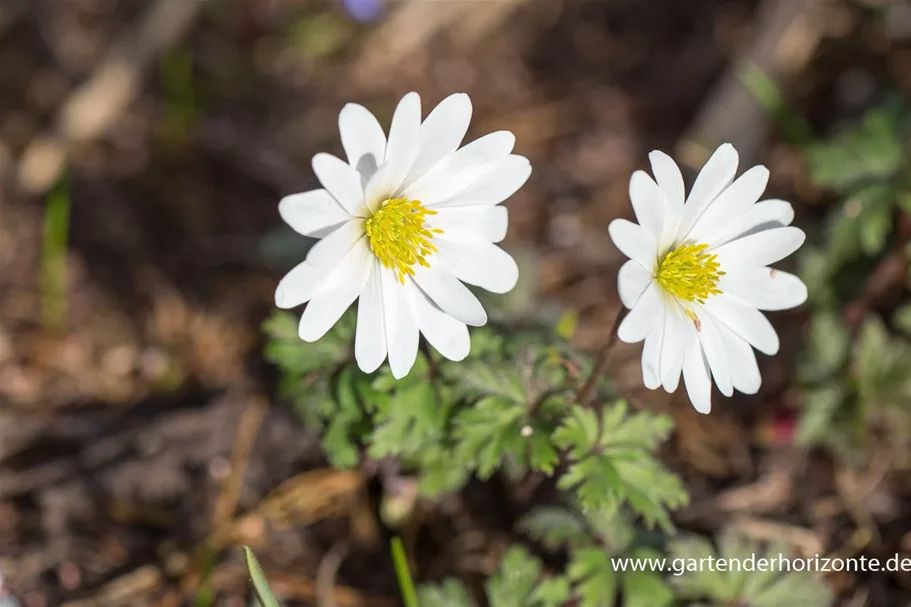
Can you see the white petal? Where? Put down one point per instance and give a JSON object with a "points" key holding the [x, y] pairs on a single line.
{"points": [[696, 375], [647, 203], [499, 183], [677, 326], [744, 369], [764, 215], [370, 338], [716, 175], [479, 264], [460, 170], [651, 357], [312, 213], [336, 245], [401, 322], [300, 283], [450, 295], [363, 139], [336, 294], [376, 190], [340, 180], [644, 318], [634, 242], [732, 204], [746, 321], [447, 335], [670, 180], [713, 348], [760, 249], [764, 288], [473, 224], [631, 282], [442, 132], [402, 147]]}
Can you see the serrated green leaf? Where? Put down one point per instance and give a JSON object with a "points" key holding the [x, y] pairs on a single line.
{"points": [[442, 471], [821, 407], [646, 589], [555, 527], [594, 575], [450, 593], [296, 357], [744, 580], [881, 366], [617, 466], [406, 423], [871, 150], [482, 378], [579, 432], [513, 583], [489, 430], [551, 592], [827, 347]]}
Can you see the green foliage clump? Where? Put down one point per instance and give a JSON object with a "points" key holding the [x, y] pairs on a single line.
{"points": [[602, 548], [517, 583], [511, 405], [850, 393], [697, 579], [854, 381], [866, 166]]}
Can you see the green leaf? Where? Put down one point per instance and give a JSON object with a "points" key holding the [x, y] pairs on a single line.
{"points": [[488, 430], [260, 586], [442, 471], [882, 364], [551, 592], [821, 408], [480, 378], [297, 357], [827, 347], [869, 151], [579, 432], [407, 422], [612, 462], [555, 527], [646, 588], [748, 577], [592, 571], [450, 593], [515, 580]]}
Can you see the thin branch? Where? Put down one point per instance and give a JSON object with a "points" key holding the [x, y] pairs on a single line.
{"points": [[589, 388]]}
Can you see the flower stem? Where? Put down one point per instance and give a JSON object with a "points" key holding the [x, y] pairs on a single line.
{"points": [[406, 584], [590, 387]]}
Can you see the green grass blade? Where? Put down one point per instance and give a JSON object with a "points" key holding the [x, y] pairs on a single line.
{"points": [[409, 594], [769, 97], [54, 256], [258, 580]]}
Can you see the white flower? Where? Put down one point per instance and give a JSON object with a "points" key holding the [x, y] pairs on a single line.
{"points": [[698, 275], [403, 224]]}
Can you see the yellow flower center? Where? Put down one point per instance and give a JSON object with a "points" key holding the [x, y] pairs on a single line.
{"points": [[690, 273], [398, 236]]}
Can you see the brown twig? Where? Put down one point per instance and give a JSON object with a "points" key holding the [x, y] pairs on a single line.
{"points": [[247, 431], [589, 388]]}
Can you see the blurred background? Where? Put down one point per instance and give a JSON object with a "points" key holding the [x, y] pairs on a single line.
{"points": [[144, 145]]}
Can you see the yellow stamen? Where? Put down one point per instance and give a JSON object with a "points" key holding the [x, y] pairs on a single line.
{"points": [[398, 236], [690, 273]]}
